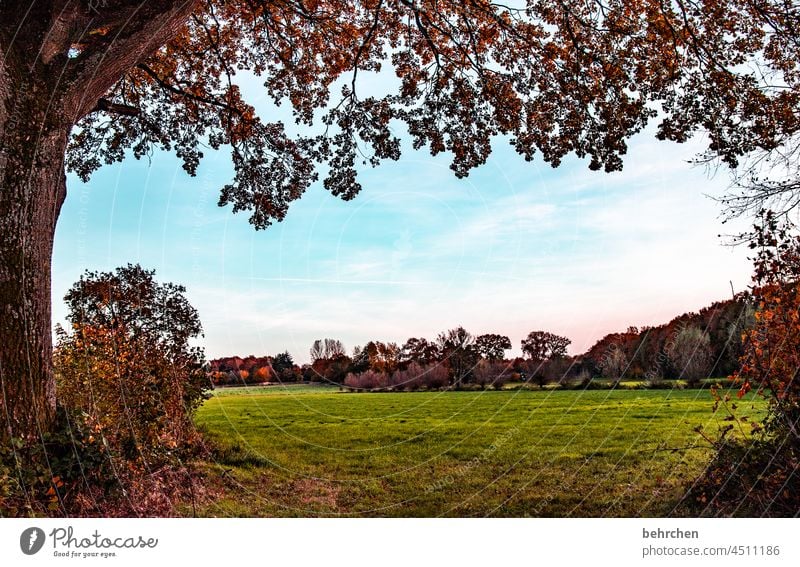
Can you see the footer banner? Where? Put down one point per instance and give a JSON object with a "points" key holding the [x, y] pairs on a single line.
{"points": [[402, 542]]}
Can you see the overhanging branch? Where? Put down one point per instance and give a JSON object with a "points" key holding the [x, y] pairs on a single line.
{"points": [[106, 105], [149, 27]]}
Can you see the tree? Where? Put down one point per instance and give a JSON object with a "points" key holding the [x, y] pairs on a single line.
{"points": [[282, 361], [542, 345], [262, 374], [326, 349], [420, 351], [83, 84], [283, 366], [334, 348], [557, 370], [690, 353], [457, 348], [377, 356], [333, 368], [492, 346], [534, 346], [614, 363], [645, 348], [359, 361], [317, 351]]}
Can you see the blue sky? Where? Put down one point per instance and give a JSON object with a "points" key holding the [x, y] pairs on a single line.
{"points": [[515, 247]]}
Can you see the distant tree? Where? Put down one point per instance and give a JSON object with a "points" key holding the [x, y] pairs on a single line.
{"points": [[534, 346], [741, 318], [317, 351], [690, 354], [382, 357], [457, 348], [542, 345], [724, 321], [420, 351], [359, 361], [326, 349], [532, 370], [614, 363], [332, 370], [492, 346], [334, 348], [557, 370], [282, 361], [582, 377], [262, 374], [309, 374], [629, 344], [250, 363]]}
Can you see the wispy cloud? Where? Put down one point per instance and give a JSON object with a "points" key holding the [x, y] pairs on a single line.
{"points": [[514, 247]]}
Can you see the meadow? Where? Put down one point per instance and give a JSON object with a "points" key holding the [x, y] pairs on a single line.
{"points": [[318, 451]]}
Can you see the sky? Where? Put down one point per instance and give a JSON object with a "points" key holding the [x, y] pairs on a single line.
{"points": [[515, 247]]}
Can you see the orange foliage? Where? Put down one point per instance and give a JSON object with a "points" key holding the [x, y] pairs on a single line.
{"points": [[771, 362], [263, 374], [758, 475]]}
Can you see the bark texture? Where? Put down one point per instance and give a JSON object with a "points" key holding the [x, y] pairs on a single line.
{"points": [[44, 90], [32, 190]]}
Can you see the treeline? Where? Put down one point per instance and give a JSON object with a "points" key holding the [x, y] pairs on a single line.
{"points": [[234, 370], [691, 347]]}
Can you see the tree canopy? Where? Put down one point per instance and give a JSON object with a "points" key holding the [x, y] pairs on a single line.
{"points": [[543, 345], [552, 77]]}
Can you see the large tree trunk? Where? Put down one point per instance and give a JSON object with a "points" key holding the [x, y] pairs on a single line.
{"points": [[43, 92], [32, 189]]}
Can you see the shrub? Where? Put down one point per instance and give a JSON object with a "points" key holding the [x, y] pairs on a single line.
{"points": [[758, 475], [128, 382], [128, 364], [407, 379], [491, 373], [434, 376], [368, 380], [56, 474]]}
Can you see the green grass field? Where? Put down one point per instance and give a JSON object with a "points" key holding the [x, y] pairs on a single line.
{"points": [[312, 451]]}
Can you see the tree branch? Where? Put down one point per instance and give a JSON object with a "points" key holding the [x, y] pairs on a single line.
{"points": [[182, 93], [148, 27], [106, 105]]}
